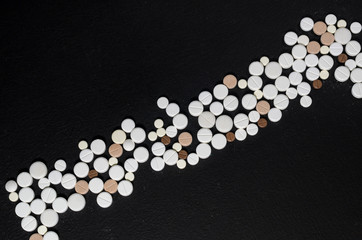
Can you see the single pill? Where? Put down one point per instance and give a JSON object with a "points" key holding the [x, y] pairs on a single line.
{"points": [[282, 83], [177, 147], [270, 91], [303, 39], [86, 155], [286, 60], [185, 139], [313, 47], [264, 60], [327, 38], [157, 164], [82, 145], [158, 149], [11, 186], [258, 94], [204, 135], [220, 91], [206, 120], [68, 181], [98, 146], [216, 108], [203, 150], [138, 135], [241, 120], [161, 132], [166, 140], [319, 28], [262, 123], [181, 164], [317, 84], [171, 131], [104, 199], [353, 48], [332, 29], [324, 74], [129, 176], [299, 51], [331, 19], [355, 27], [325, 62], [81, 169], [182, 154], [295, 78], [273, 69], [60, 205], [242, 84], [162, 102], [356, 75], [14, 197], [111, 161], [22, 210], [119, 136], [306, 24], [274, 115], [351, 64], [299, 65], [141, 154], [292, 93], [128, 125], [42, 229], [193, 159], [115, 150], [343, 36], [51, 236], [231, 103], [100, 165], [290, 38], [256, 68], [82, 187], [26, 194], [252, 129], [36, 236], [172, 109], [29, 224], [342, 74], [76, 202], [311, 60], [125, 188], [312, 73], [196, 108], [336, 49], [131, 165], [263, 107], [205, 98], [254, 116], [224, 123], [55, 177], [240, 134], [96, 185], [357, 90], [248, 101], [359, 60], [48, 195], [303, 88], [281, 102], [37, 206], [24, 179], [180, 121], [342, 23], [230, 137], [60, 165], [324, 50], [230, 81], [49, 218], [305, 101], [255, 83], [111, 186], [152, 136], [38, 170], [158, 123]]}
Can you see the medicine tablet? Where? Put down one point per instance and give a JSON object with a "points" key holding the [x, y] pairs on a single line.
{"points": [[242, 84], [116, 172], [286, 60], [292, 93], [351, 64], [303, 39], [324, 74], [290, 38], [256, 68], [355, 27], [312, 73], [172, 109], [38, 170], [274, 115], [119, 136], [128, 145], [29, 223], [131, 165], [158, 149], [342, 23], [127, 125], [196, 108], [325, 62], [357, 90], [141, 154], [181, 164], [96, 185], [193, 159], [86, 155], [218, 141], [231, 103], [356, 75], [11, 186], [252, 129], [205, 98], [171, 131], [37, 206], [319, 28], [68, 181], [170, 157], [311, 60], [98, 146], [270, 91], [248, 101], [254, 116], [306, 24], [125, 188], [281, 101], [294, 78], [258, 94], [331, 19], [82, 145], [299, 65], [60, 205], [101, 165], [129, 176], [224, 123], [206, 120], [104, 199], [180, 121], [230, 81], [331, 29], [299, 51], [216, 108], [51, 236], [342, 36], [48, 195], [273, 70], [204, 135], [203, 150], [240, 134], [220, 91], [55, 177], [14, 197], [22, 210], [241, 120], [255, 83], [303, 88], [26, 194], [353, 48], [24, 179], [161, 132], [359, 60], [162, 102], [49, 218], [112, 161], [305, 101], [158, 123], [42, 230], [336, 49], [264, 60], [76, 202], [282, 83], [138, 135], [342, 74], [81, 169], [157, 164], [60, 165]]}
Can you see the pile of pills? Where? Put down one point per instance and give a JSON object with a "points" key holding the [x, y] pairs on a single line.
{"points": [[272, 84]]}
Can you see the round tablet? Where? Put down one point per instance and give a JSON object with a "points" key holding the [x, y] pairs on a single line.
{"points": [[177, 146], [141, 154], [29, 224], [255, 83], [319, 28], [282, 83], [180, 121], [216, 108], [332, 29], [224, 123], [206, 119], [306, 24], [119, 136], [127, 125], [76, 202], [100, 165], [273, 70], [325, 62], [48, 195], [129, 176], [68, 181], [98, 146], [37, 206], [38, 170], [24, 179], [152, 136], [305, 101], [86, 155], [172, 109], [292, 93], [256, 68], [60, 165], [342, 36], [231, 103], [281, 101], [22, 209], [331, 19], [203, 150], [138, 135], [299, 51], [258, 94], [336, 49], [51, 236], [342, 74], [158, 149], [248, 101], [60, 205], [242, 84], [241, 120], [355, 27], [110, 186], [193, 159], [82, 187], [128, 145], [81, 169], [351, 64], [324, 50], [125, 188], [49, 218], [286, 60], [131, 165], [55, 177], [11, 186], [162, 102], [252, 129], [254, 116], [290, 38], [104, 199], [356, 75], [311, 60], [218, 141], [14, 197], [170, 157], [359, 60], [327, 38], [262, 107], [115, 150], [157, 164], [220, 91], [196, 108], [264, 60], [312, 73], [82, 145], [26, 194], [158, 123], [313, 47], [274, 115], [299, 66], [303, 89], [230, 81], [270, 91], [95, 185], [357, 90], [342, 23], [324, 74], [353, 48], [204, 135], [240, 134], [161, 132], [295, 78], [36, 236], [185, 139], [42, 230], [303, 39], [205, 98]]}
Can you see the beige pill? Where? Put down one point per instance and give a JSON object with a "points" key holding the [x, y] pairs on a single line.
{"points": [[110, 186], [81, 187], [185, 139], [115, 150], [230, 81], [327, 38], [319, 28]]}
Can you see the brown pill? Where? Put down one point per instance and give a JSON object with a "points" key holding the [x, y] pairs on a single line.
{"points": [[230, 137], [313, 47], [342, 58], [327, 38], [262, 123], [182, 154], [92, 173], [319, 28], [185, 139], [317, 84], [166, 140], [81, 187], [230, 81], [111, 186], [115, 150], [36, 236], [262, 107]]}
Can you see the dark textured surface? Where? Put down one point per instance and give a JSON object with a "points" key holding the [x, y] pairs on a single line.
{"points": [[73, 71]]}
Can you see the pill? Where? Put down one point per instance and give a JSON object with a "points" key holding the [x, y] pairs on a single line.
{"points": [[355, 27], [311, 60], [341, 74], [22, 209], [319, 28], [37, 206], [82, 187], [129, 176], [166, 140], [240, 134], [241, 120], [282, 83], [161, 132], [204, 135], [256, 68], [306, 24], [357, 90], [104, 199], [111, 161], [206, 120], [98, 146], [230, 137], [317, 84], [216, 108], [242, 83], [290, 38], [254, 116], [325, 62], [264, 60], [193, 159], [42, 229], [51, 236], [342, 36], [255, 83], [303, 89], [312, 73], [82, 144], [248, 101], [141, 154], [273, 70], [180, 121], [205, 98], [172, 109], [115, 150], [24, 179], [220, 91], [324, 50], [258, 94], [203, 150], [262, 123], [359, 60], [324, 74], [336, 49], [162, 102], [342, 23], [252, 129], [195, 108], [111, 186], [60, 205], [38, 170], [131, 165], [96, 185], [68, 181], [76, 202], [29, 224], [55, 177], [299, 51], [177, 146], [14, 197], [274, 115], [86, 155], [60, 165], [48, 195], [305, 101], [127, 125], [118, 136], [295, 78], [138, 135], [327, 38], [231, 103], [36, 236], [230, 81], [81, 169], [353, 48], [11, 186], [182, 154], [125, 188], [181, 164], [158, 149], [171, 131], [351, 64], [281, 101], [157, 164], [185, 139], [158, 123], [49, 218], [224, 123], [286, 60], [292, 93], [270, 91], [331, 19], [262, 107], [299, 65], [152, 136], [332, 29], [26, 194], [356, 75]]}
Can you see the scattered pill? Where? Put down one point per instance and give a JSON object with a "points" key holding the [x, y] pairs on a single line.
{"points": [[325, 62], [319, 28], [355, 27], [111, 161], [138, 135], [180, 121], [255, 83], [60, 205], [68, 181], [193, 159], [128, 125], [152, 136], [356, 75], [129, 176], [224, 123], [357, 90], [51, 236], [332, 29], [241, 120], [93, 173], [331, 19], [26, 194], [254, 116], [248, 101], [100, 165], [281, 102], [166, 140], [29, 223], [48, 195], [273, 69], [264, 60], [290, 38], [220, 91], [206, 120], [81, 169], [240, 134], [111, 186], [24, 179], [353, 48], [242, 84], [341, 74], [303, 39], [22, 209], [98, 146], [216, 108], [270, 91], [76, 202], [82, 187], [305, 101], [252, 129], [55, 177], [204, 135], [157, 164], [262, 123], [131, 165], [231, 103], [185, 139], [313, 47], [205, 97], [14, 197], [37, 206], [36, 236], [104, 199], [203, 150], [11, 186], [256, 68], [295, 79], [292, 93], [60, 165], [303, 88], [177, 146], [263, 107], [306, 24], [327, 38], [336, 49], [181, 164], [82, 145], [342, 23], [182, 154], [162, 102], [324, 50], [317, 84], [299, 65], [49, 218], [274, 115], [286, 60], [96, 185], [86, 155], [118, 136], [125, 188], [351, 64], [161, 132], [342, 36], [282, 83], [172, 109], [230, 81], [158, 123], [115, 150], [195, 108], [38, 170], [230, 137], [258, 94], [42, 229], [141, 154], [312, 73], [158, 149]]}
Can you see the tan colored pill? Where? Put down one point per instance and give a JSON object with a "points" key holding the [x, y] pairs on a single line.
{"points": [[81, 187], [319, 28], [185, 139], [182, 154], [110, 186], [166, 140], [327, 38], [230, 81], [115, 150], [262, 107], [313, 47], [36, 236]]}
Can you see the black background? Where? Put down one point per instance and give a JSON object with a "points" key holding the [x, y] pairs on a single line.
{"points": [[74, 70]]}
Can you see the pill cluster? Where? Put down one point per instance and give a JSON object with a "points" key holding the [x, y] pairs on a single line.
{"points": [[269, 88]]}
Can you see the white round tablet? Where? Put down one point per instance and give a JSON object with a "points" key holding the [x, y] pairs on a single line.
{"points": [[299, 65], [60, 205], [252, 129], [96, 185], [86, 155], [128, 145], [68, 181], [356, 75], [258, 94], [55, 177], [162, 102], [42, 229], [353, 48], [290, 38], [125, 188], [355, 27], [281, 101], [241, 120], [331, 19], [26, 194], [216, 108], [303, 88], [332, 29], [193, 159], [158, 148], [119, 136], [29, 224], [311, 60], [104, 199], [100, 165], [357, 90], [270, 91], [292, 93], [256, 68], [141, 154], [218, 141], [282, 83], [24, 179], [60, 165], [342, 74], [286, 60], [138, 135], [51, 236], [22, 209], [81, 169], [273, 70], [255, 83], [335, 49], [180, 121], [170, 157], [248, 101], [342, 36], [305, 101], [274, 115], [171, 131], [49, 218], [325, 62], [224, 123], [254, 116], [43, 183], [231, 103], [116, 172], [240, 134], [38, 170], [303, 39], [48, 195], [127, 125], [14, 197], [299, 51], [295, 78], [312, 73], [351, 64], [172, 109], [306, 24], [220, 91], [11, 186], [196, 108], [98, 146], [161, 132], [204, 135], [157, 164], [76, 202], [242, 83], [205, 98], [131, 165], [206, 120], [37, 206], [203, 150]]}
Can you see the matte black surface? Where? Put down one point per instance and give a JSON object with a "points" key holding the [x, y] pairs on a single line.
{"points": [[74, 70]]}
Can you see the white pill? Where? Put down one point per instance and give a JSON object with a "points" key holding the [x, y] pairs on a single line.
{"points": [[196, 108], [158, 148], [38, 170], [51, 236], [254, 116], [82, 145], [116, 172], [255, 83], [68, 181], [273, 70], [359, 60], [341, 74], [299, 51], [312, 73], [131, 165], [220, 91], [264, 60], [324, 50], [324, 74], [355, 27], [218, 141], [129, 176], [76, 202], [241, 120], [303, 39], [118, 136], [342, 36], [282, 83], [60, 205], [306, 24], [49, 218], [26, 194], [351, 64], [101, 165], [86, 155], [193, 159], [256, 68], [299, 65], [332, 29], [141, 154], [55, 177], [112, 161], [331, 19], [325, 62], [240, 134], [104, 199], [162, 102], [231, 103], [157, 164], [357, 90], [270, 91], [258, 94], [311, 60], [127, 125], [60, 165], [286, 60], [43, 183], [24, 179], [81, 169], [42, 230], [172, 109], [37, 206], [203, 150], [295, 78], [205, 98], [22, 209], [138, 135], [161, 132], [48, 195], [181, 164], [353, 48], [14, 197], [125, 188], [335, 49], [303, 88], [281, 101], [96, 185], [204, 135], [98, 146], [224, 123], [341, 23], [252, 129], [249, 101], [180, 121], [290, 38], [242, 83], [128, 145], [356, 75], [305, 101], [274, 115], [170, 157], [292, 93], [206, 120], [216, 108], [171, 131], [11, 186], [29, 224]]}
